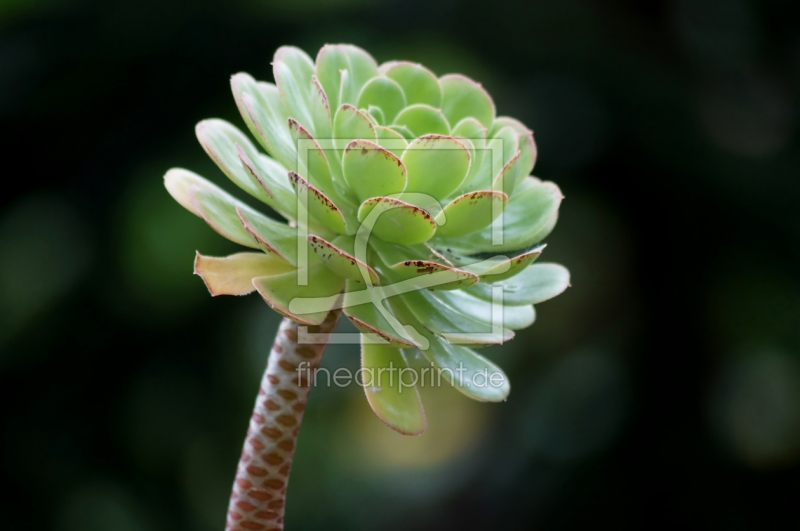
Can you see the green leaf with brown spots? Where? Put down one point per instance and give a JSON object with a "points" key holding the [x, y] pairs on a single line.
{"points": [[318, 205], [340, 261], [372, 171], [396, 221], [470, 212]]}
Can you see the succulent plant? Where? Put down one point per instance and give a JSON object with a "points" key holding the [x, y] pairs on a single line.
{"points": [[408, 204]]}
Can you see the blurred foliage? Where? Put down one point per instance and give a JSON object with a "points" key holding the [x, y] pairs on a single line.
{"points": [[665, 385]]}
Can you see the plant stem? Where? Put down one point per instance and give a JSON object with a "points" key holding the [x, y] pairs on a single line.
{"points": [[259, 491]]}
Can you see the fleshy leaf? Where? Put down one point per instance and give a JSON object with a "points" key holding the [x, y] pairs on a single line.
{"points": [[293, 69], [510, 143], [530, 210], [402, 131], [449, 277], [307, 304], [218, 209], [391, 140], [396, 221], [472, 129], [376, 114], [320, 109], [422, 119], [535, 284], [436, 165], [489, 312], [370, 320], [395, 403], [463, 97], [358, 65], [219, 140], [272, 236], [319, 205], [340, 261], [470, 212], [265, 114], [503, 267], [508, 177], [452, 324], [312, 161], [419, 84], [271, 176], [234, 274], [351, 124], [461, 366], [385, 94], [526, 143], [371, 170], [179, 183]]}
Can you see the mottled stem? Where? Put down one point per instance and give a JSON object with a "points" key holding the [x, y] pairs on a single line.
{"points": [[259, 491]]}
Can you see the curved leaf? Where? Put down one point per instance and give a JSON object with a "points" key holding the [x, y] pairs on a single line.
{"points": [[219, 140], [470, 212], [492, 313], [179, 182], [469, 372], [234, 274], [218, 209], [358, 65], [510, 143], [263, 107], [451, 323], [419, 84], [527, 145], [351, 124], [374, 318], [396, 221], [422, 119], [449, 277], [391, 140], [385, 94], [402, 131], [537, 283], [472, 129], [530, 210], [273, 236], [508, 177], [318, 205], [312, 161], [265, 115], [271, 176], [376, 114], [340, 261], [502, 267], [436, 165], [293, 70], [307, 304], [389, 392], [463, 97], [371, 170]]}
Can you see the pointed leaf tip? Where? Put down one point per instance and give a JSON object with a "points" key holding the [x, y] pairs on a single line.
{"points": [[234, 274]]}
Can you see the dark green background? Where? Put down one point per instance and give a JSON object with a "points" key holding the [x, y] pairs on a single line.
{"points": [[662, 388]]}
